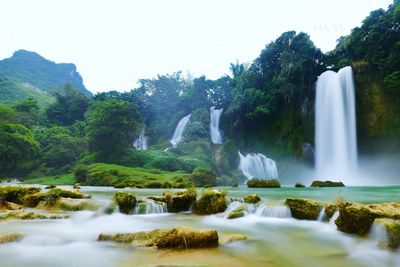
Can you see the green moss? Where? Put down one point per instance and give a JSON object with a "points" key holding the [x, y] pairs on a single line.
{"points": [[252, 199], [181, 200], [392, 228], [16, 194], [258, 183], [211, 201], [326, 184], [238, 212], [304, 209], [126, 201]]}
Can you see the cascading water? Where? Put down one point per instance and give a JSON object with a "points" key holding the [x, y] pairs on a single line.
{"points": [[141, 143], [335, 131], [215, 115], [177, 137], [150, 207], [257, 166], [273, 211]]}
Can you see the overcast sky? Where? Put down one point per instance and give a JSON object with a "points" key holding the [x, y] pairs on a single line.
{"points": [[113, 43]]}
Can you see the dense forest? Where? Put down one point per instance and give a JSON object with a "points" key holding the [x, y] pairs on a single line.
{"points": [[52, 128]]}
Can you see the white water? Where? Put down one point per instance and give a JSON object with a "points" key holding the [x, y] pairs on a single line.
{"points": [[141, 143], [257, 166], [215, 115], [335, 131], [273, 211], [150, 207], [177, 137], [333, 219], [321, 216]]}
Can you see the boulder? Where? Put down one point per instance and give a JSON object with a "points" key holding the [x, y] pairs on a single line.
{"points": [[392, 228], [126, 201], [69, 204], [180, 238], [211, 201], [251, 199], [179, 201], [260, 183], [5, 205], [326, 184], [238, 212], [330, 209], [304, 209], [356, 218], [12, 237], [15, 194]]}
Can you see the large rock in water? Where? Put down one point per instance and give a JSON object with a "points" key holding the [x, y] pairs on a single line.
{"points": [[179, 237], [326, 184], [211, 201], [304, 209], [356, 218], [251, 199], [392, 228]]}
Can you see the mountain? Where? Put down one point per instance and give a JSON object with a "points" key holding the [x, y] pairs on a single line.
{"points": [[28, 74]]}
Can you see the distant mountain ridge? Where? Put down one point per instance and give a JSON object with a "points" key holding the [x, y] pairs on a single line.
{"points": [[28, 67]]}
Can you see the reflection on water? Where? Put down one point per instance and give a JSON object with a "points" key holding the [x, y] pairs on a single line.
{"points": [[276, 240]]}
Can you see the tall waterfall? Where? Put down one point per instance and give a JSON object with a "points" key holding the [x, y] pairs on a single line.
{"points": [[335, 131], [177, 137], [141, 143], [257, 166], [215, 115]]}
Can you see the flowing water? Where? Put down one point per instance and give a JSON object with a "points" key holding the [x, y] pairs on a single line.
{"points": [[274, 237], [141, 143], [335, 131], [215, 115], [177, 137], [257, 166]]}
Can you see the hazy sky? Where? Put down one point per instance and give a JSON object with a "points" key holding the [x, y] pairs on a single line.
{"points": [[115, 42]]}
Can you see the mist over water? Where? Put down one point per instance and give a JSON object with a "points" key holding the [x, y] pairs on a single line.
{"points": [[335, 131]]}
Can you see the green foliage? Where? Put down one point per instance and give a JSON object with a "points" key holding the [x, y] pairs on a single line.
{"points": [[17, 145], [198, 126], [68, 108], [326, 184], [63, 179], [203, 177], [112, 125], [299, 185], [81, 173], [257, 183]]}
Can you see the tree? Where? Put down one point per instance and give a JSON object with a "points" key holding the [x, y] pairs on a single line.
{"points": [[111, 127], [68, 108], [17, 145], [28, 111]]}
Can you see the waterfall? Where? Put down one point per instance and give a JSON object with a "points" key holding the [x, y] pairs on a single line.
{"points": [[257, 166], [141, 142], [321, 216], [177, 137], [150, 207], [335, 131], [215, 115], [274, 211]]}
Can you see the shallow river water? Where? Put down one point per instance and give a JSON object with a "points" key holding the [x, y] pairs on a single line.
{"points": [[274, 239]]}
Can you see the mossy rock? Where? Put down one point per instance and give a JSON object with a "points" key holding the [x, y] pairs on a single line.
{"points": [[330, 209], [58, 192], [326, 184], [50, 186], [69, 204], [226, 238], [252, 199], [178, 238], [5, 205], [259, 183], [16, 194], [304, 209], [11, 237], [210, 202], [181, 200], [299, 185], [238, 212], [392, 228], [157, 199], [126, 201], [22, 215], [33, 200]]}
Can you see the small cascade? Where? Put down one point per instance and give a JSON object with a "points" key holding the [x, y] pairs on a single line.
{"points": [[215, 115], [378, 234], [150, 207], [257, 166], [322, 216], [177, 137], [333, 219], [141, 143], [335, 125], [273, 211]]}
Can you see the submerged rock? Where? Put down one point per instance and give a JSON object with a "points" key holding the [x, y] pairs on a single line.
{"points": [[231, 237], [211, 201], [179, 201], [356, 218], [304, 209], [251, 199], [179, 237], [392, 228], [126, 201], [12, 237], [238, 212], [326, 184], [259, 183], [22, 215]]}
